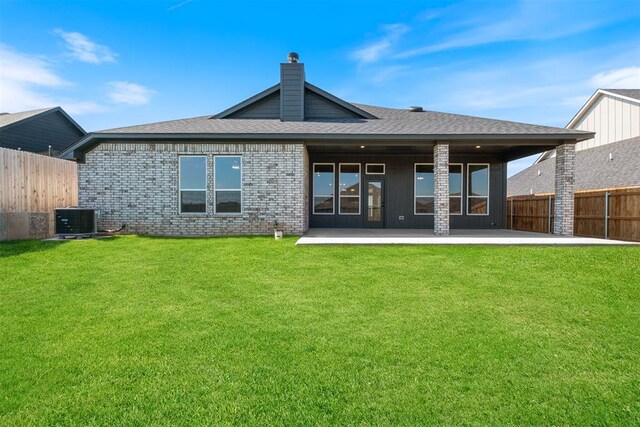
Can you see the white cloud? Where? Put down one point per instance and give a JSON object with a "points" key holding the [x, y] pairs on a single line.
{"points": [[26, 69], [82, 107], [621, 78], [178, 5], [527, 20], [83, 49], [129, 93], [25, 80], [21, 79], [374, 51]]}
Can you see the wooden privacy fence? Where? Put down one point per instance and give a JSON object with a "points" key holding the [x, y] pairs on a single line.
{"points": [[607, 214], [31, 187], [34, 183]]}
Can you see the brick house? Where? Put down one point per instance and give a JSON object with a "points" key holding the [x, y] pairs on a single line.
{"points": [[297, 156]]}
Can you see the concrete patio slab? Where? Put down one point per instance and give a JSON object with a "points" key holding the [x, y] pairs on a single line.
{"points": [[368, 236]]}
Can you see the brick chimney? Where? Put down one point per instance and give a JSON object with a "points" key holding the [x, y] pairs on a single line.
{"points": [[292, 89]]}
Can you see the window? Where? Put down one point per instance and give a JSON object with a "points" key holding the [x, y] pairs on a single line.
{"points": [[349, 189], [193, 184], [374, 169], [478, 189], [455, 189], [323, 188], [423, 189], [228, 184]]}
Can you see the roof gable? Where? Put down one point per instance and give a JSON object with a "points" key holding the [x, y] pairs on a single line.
{"points": [[8, 120], [319, 104], [632, 95]]}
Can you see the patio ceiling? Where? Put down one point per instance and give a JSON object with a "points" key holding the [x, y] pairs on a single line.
{"points": [[507, 150]]}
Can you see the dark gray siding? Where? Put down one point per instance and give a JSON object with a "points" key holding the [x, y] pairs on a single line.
{"points": [[292, 92], [36, 134], [399, 192], [315, 107], [318, 107], [267, 108]]}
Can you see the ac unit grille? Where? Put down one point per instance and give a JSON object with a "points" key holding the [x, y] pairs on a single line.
{"points": [[75, 221]]}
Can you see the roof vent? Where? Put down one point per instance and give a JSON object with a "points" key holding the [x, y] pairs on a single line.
{"points": [[292, 57], [416, 109]]}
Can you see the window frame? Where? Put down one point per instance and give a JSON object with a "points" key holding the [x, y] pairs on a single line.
{"points": [[215, 190], [469, 196], [206, 179], [313, 189], [415, 188], [461, 190], [366, 168], [340, 196]]}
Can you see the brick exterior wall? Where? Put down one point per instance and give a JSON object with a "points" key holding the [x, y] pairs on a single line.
{"points": [[441, 189], [137, 184], [565, 188]]}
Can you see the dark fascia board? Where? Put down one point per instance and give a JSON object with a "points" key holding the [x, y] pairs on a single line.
{"points": [[523, 139], [255, 98], [44, 113], [340, 102]]}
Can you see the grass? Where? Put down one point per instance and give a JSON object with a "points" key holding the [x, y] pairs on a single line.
{"points": [[134, 330]]}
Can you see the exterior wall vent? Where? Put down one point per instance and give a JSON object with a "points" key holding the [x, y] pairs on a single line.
{"points": [[416, 109]]}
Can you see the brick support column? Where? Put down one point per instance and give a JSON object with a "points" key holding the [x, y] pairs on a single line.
{"points": [[441, 189], [565, 186]]}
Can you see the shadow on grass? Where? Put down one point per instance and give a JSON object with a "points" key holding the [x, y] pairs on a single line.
{"points": [[19, 247]]}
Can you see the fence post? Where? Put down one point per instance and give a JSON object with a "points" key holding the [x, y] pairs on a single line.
{"points": [[549, 215], [511, 212], [606, 214]]}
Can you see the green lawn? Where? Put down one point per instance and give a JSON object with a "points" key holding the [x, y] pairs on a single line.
{"points": [[136, 330]]}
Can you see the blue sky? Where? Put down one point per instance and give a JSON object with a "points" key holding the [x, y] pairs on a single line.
{"points": [[113, 64]]}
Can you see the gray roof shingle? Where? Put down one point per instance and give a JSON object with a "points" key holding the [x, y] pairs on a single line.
{"points": [[390, 122], [7, 119], [629, 93], [594, 170]]}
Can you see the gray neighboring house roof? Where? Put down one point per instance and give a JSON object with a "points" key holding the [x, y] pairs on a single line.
{"points": [[7, 119], [35, 130], [629, 93], [594, 170]]}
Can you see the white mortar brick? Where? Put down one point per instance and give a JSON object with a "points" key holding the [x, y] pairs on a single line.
{"points": [[565, 188], [137, 184], [441, 189]]}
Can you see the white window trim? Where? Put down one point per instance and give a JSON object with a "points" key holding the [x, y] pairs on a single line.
{"points": [[206, 180], [415, 188], [488, 165], [366, 168], [313, 186], [461, 190], [215, 190], [359, 189]]}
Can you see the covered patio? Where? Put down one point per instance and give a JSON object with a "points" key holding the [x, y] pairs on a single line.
{"points": [[388, 236]]}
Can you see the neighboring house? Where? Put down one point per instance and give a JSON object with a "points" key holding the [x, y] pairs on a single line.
{"points": [[608, 160], [43, 131], [613, 165], [297, 156]]}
